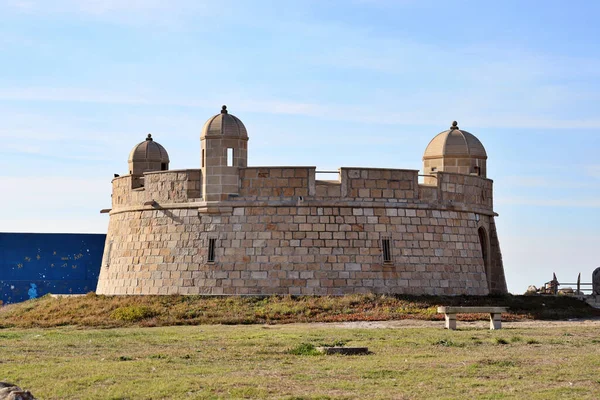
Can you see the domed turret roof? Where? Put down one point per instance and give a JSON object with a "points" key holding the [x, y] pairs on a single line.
{"points": [[224, 124], [455, 143], [149, 150]]}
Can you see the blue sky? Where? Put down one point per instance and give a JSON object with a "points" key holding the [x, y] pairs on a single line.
{"points": [[324, 83]]}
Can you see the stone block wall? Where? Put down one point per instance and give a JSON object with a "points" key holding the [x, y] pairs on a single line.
{"points": [[379, 184], [466, 189], [127, 191], [174, 186], [286, 233], [457, 165], [328, 189], [288, 249], [276, 182]]}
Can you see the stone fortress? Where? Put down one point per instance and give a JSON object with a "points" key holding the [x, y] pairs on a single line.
{"points": [[230, 229]]}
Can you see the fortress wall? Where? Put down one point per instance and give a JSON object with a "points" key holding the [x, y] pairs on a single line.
{"points": [[174, 186], [374, 183], [276, 182], [328, 189], [293, 250], [428, 194], [497, 278], [123, 194], [466, 189]]}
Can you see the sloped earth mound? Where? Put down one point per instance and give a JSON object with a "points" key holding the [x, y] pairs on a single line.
{"points": [[92, 310]]}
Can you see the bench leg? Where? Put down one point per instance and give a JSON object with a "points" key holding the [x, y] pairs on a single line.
{"points": [[495, 321], [450, 321]]}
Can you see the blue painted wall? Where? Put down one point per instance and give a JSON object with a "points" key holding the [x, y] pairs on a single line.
{"points": [[34, 264]]}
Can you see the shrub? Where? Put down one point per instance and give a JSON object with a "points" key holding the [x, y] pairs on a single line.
{"points": [[304, 349], [133, 313]]}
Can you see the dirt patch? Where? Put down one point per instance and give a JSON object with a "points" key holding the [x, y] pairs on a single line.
{"points": [[415, 323]]}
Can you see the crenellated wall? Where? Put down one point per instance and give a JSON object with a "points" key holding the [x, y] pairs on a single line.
{"points": [[174, 186], [379, 184], [276, 182], [285, 232]]}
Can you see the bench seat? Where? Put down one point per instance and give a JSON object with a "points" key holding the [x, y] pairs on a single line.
{"points": [[450, 314]]}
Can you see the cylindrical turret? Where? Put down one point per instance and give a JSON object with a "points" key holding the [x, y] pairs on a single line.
{"points": [[148, 156], [455, 151], [224, 149]]}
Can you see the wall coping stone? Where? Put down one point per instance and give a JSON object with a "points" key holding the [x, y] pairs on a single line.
{"points": [[292, 202]]}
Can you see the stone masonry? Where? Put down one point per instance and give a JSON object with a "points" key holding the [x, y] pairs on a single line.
{"points": [[285, 232]]}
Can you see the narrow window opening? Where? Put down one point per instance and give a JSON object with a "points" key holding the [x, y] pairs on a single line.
{"points": [[163, 166], [202, 164], [477, 171], [230, 157], [386, 249], [212, 242]]}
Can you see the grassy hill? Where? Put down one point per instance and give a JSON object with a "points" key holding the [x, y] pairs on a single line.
{"points": [[119, 311]]}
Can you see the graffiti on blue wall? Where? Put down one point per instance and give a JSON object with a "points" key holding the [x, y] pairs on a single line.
{"points": [[34, 264]]}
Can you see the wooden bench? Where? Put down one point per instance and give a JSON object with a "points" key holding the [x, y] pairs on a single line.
{"points": [[450, 314]]}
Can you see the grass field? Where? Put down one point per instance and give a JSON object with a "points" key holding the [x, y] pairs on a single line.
{"points": [[254, 361], [178, 347]]}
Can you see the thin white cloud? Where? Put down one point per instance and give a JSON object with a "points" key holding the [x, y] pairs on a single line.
{"points": [[541, 182], [542, 202], [20, 148], [56, 94], [411, 112], [593, 171], [93, 6], [128, 12]]}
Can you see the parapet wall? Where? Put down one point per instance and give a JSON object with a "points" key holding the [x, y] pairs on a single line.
{"points": [[379, 184], [276, 182], [453, 191], [174, 186]]}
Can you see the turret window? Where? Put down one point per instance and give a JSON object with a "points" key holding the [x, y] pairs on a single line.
{"points": [[229, 157]]}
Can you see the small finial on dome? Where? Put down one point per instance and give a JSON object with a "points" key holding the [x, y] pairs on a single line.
{"points": [[224, 110], [454, 125], [149, 137]]}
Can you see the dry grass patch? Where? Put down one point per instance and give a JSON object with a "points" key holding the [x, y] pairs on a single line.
{"points": [[119, 311]]}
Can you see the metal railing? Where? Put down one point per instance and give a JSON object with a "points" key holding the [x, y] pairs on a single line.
{"points": [[554, 286]]}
